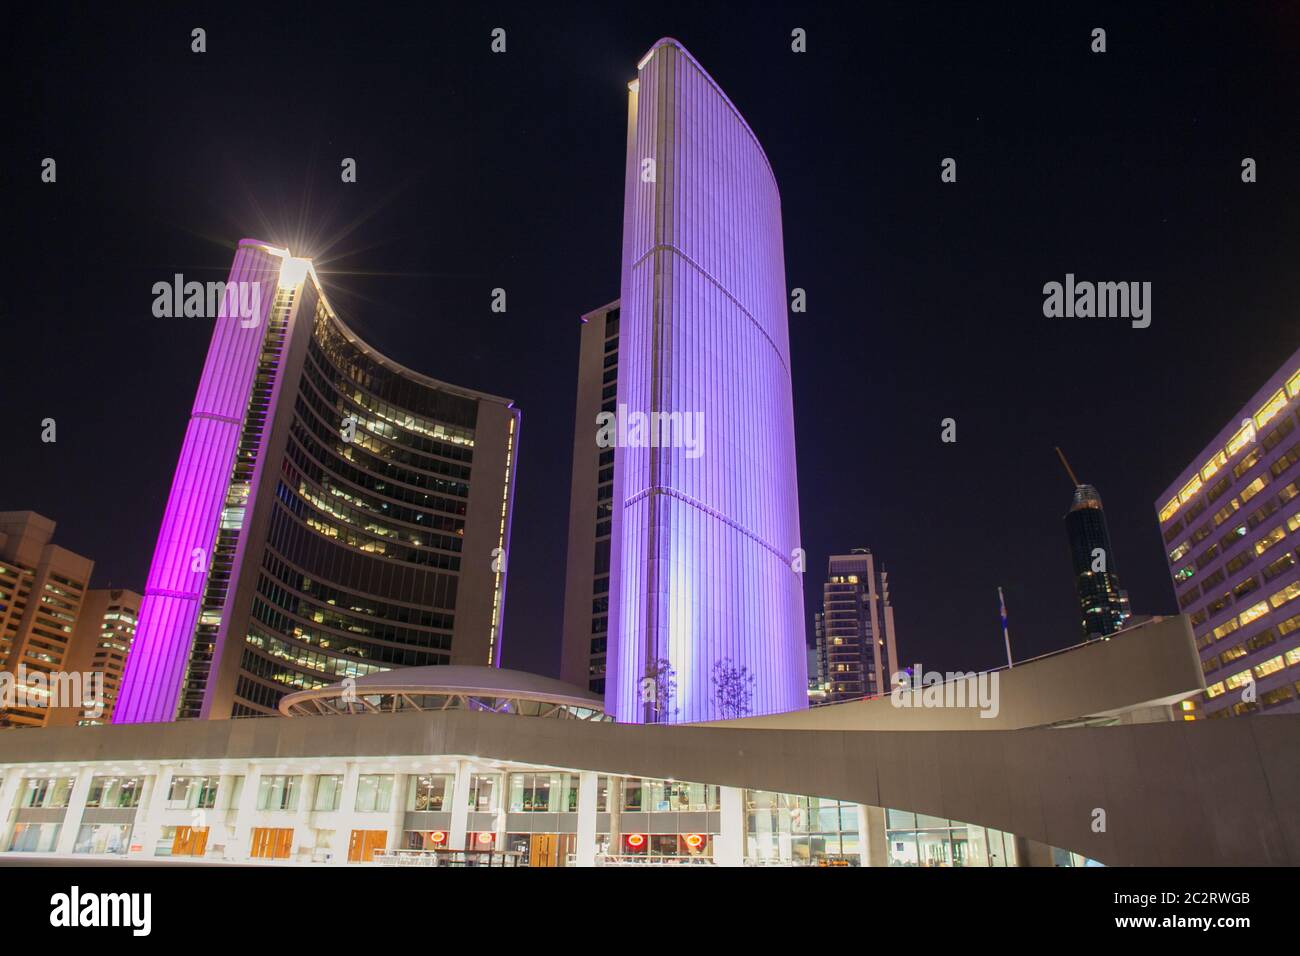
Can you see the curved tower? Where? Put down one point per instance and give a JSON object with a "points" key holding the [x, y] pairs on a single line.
{"points": [[332, 513], [705, 519]]}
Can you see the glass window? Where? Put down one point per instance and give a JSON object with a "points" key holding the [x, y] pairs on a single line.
{"points": [[35, 837], [114, 792], [429, 792], [374, 792], [46, 792], [114, 838], [192, 793], [278, 792], [329, 792], [483, 789]]}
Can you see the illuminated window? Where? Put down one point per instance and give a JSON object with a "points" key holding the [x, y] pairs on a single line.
{"points": [[1271, 408], [1293, 385], [1239, 679], [1254, 488], [1223, 630], [1270, 666], [1288, 593], [1213, 465], [1270, 539], [1241, 439], [1214, 690], [1254, 612], [1189, 489]]}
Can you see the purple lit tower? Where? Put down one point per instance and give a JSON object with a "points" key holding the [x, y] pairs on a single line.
{"points": [[332, 514], [702, 566]]}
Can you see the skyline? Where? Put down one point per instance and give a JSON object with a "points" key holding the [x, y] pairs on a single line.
{"points": [[915, 510]]}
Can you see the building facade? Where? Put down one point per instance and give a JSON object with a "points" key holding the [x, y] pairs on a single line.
{"points": [[856, 628], [43, 590], [1103, 605], [705, 527], [591, 501], [332, 514], [477, 764], [101, 646], [1231, 529]]}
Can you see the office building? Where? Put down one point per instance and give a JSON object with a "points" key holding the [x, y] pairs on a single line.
{"points": [[591, 490], [100, 646], [42, 593], [705, 527], [856, 628], [1231, 529], [1103, 605], [332, 513]]}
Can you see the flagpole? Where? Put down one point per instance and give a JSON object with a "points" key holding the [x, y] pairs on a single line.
{"points": [[1006, 634]]}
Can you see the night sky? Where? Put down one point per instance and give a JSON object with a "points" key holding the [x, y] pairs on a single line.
{"points": [[478, 171]]}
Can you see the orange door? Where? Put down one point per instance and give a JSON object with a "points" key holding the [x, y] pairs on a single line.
{"points": [[272, 843], [190, 841], [544, 850], [364, 843]]}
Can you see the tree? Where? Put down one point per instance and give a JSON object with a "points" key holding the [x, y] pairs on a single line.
{"points": [[659, 689], [733, 689]]}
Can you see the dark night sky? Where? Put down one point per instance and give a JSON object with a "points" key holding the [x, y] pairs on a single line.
{"points": [[478, 171]]}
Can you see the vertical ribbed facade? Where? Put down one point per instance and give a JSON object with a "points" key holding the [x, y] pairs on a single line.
{"points": [[701, 564], [174, 588]]}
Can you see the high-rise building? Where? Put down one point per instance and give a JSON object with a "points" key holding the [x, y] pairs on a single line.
{"points": [[591, 491], [332, 514], [1103, 605], [1231, 527], [706, 525], [100, 646], [856, 628], [42, 593], [818, 682]]}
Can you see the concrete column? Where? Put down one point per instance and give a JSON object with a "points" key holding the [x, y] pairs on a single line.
{"points": [[76, 807], [9, 789], [730, 848], [459, 807], [872, 838], [240, 846], [503, 807], [615, 801], [302, 822], [220, 815], [397, 812], [347, 814], [149, 815], [585, 842]]}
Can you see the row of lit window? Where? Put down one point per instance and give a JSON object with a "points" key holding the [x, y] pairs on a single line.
{"points": [[1258, 672], [1244, 436]]}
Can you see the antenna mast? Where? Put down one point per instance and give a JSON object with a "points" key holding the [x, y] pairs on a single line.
{"points": [[1068, 470]]}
